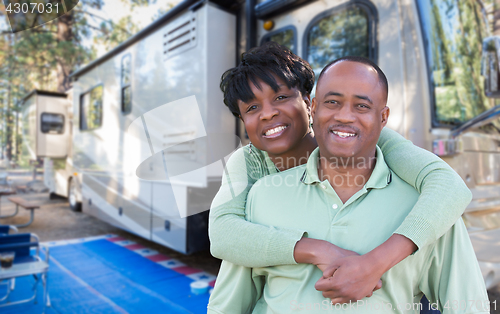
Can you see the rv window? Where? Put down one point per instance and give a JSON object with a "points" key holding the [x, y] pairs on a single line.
{"points": [[490, 67], [342, 32], [126, 99], [52, 123], [126, 93], [284, 36], [91, 109], [454, 32]]}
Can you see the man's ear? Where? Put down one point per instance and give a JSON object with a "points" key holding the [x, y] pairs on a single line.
{"points": [[314, 104], [385, 115]]}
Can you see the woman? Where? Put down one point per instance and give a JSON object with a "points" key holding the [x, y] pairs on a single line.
{"points": [[270, 92]]}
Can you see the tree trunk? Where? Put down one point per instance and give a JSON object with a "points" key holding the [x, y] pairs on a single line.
{"points": [[64, 34], [8, 117]]}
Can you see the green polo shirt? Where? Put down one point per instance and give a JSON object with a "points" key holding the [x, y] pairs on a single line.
{"points": [[446, 271]]}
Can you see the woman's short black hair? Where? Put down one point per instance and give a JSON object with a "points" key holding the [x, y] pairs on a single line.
{"points": [[260, 63]]}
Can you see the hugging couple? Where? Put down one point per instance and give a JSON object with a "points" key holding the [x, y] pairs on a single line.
{"points": [[327, 210]]}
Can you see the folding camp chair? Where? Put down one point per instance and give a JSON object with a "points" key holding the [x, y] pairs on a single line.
{"points": [[4, 229], [25, 264]]}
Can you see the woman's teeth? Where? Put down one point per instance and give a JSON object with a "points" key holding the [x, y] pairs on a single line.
{"points": [[343, 135], [275, 130]]}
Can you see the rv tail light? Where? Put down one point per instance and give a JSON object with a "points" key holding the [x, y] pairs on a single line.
{"points": [[448, 147], [268, 25]]}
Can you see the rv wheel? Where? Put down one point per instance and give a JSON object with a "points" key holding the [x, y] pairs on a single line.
{"points": [[73, 203]]}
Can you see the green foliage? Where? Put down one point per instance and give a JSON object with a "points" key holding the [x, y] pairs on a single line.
{"points": [[459, 27], [112, 34]]}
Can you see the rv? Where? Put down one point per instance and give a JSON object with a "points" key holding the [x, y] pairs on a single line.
{"points": [[46, 129], [440, 57]]}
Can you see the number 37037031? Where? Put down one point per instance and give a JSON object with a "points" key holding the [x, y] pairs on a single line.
{"points": [[32, 8]]}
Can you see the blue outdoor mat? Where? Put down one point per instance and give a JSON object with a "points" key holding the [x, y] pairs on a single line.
{"points": [[100, 276]]}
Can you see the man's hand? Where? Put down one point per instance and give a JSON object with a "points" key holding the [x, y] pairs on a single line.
{"points": [[350, 279]]}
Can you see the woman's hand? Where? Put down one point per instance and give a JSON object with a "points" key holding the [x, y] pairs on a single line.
{"points": [[350, 278], [328, 259], [349, 283], [318, 252]]}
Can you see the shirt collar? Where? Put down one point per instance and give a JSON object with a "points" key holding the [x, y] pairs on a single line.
{"points": [[380, 177]]}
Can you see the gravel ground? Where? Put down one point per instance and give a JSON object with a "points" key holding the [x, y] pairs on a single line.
{"points": [[55, 221]]}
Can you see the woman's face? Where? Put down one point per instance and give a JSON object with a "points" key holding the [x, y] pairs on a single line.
{"points": [[276, 122]]}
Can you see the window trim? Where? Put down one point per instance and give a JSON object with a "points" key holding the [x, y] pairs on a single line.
{"points": [[52, 113], [372, 13], [122, 86], [265, 38], [81, 108]]}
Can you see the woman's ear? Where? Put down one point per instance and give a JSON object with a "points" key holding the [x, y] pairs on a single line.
{"points": [[307, 100]]}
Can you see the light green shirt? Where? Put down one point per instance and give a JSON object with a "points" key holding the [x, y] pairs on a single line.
{"points": [[446, 271], [443, 199]]}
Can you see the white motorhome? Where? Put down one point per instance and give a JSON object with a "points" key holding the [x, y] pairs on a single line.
{"points": [[440, 57]]}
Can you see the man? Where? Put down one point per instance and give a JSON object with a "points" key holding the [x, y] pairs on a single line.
{"points": [[347, 195]]}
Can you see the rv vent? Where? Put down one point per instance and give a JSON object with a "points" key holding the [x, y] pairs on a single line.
{"points": [[180, 143], [180, 36]]}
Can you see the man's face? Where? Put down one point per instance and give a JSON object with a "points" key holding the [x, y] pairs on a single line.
{"points": [[349, 110]]}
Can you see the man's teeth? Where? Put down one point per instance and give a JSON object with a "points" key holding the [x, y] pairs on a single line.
{"points": [[275, 130], [343, 135]]}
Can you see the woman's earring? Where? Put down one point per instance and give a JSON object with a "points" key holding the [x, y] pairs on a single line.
{"points": [[250, 147], [310, 124]]}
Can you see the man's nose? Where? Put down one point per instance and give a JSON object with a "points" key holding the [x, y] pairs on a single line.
{"points": [[268, 111], [345, 114]]}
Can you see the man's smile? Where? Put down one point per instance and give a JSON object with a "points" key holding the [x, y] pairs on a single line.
{"points": [[343, 134]]}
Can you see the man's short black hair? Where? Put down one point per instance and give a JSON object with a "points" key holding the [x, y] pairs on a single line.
{"points": [[260, 63], [381, 76]]}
